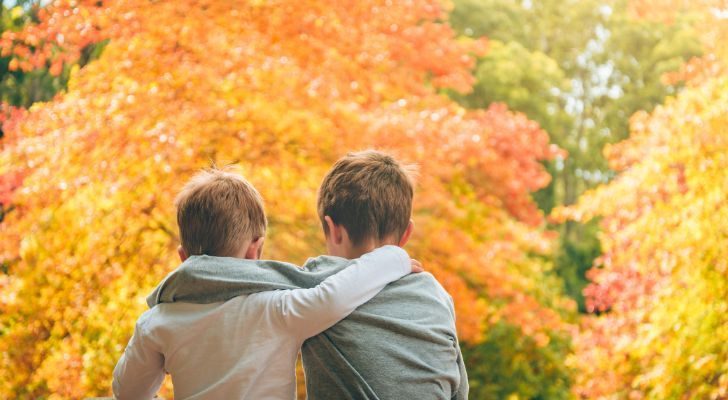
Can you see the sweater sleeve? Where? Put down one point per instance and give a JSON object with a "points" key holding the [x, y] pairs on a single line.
{"points": [[140, 370], [309, 312], [462, 391], [464, 388]]}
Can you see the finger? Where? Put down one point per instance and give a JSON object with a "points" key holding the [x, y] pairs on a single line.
{"points": [[416, 266]]}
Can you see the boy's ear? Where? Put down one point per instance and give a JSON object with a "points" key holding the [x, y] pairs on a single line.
{"points": [[407, 233], [182, 253], [255, 249], [336, 232]]}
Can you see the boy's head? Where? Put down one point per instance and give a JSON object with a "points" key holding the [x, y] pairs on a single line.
{"points": [[365, 201], [219, 213]]}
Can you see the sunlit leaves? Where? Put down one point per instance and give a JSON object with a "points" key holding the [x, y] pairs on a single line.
{"points": [[662, 281]]}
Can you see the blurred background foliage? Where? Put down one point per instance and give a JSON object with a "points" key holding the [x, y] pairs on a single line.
{"points": [[19, 88], [587, 303], [580, 69]]}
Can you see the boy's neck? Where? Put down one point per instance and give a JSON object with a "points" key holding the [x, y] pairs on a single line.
{"points": [[352, 252]]}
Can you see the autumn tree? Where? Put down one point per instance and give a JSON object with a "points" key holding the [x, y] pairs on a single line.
{"points": [[283, 89], [23, 83], [19, 88], [580, 68], [661, 285]]}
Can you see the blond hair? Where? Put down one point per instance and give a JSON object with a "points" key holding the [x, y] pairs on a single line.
{"points": [[370, 194], [217, 211]]}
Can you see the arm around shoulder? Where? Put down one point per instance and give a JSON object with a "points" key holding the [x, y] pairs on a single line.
{"points": [[311, 311]]}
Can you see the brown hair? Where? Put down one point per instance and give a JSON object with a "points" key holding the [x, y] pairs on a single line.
{"points": [[370, 194], [216, 211]]}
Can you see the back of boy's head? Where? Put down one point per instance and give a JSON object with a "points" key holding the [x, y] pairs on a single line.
{"points": [[370, 194], [217, 212]]}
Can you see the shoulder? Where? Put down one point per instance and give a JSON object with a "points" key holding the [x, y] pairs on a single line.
{"points": [[420, 290], [426, 282], [148, 318], [173, 316], [152, 319], [432, 285]]}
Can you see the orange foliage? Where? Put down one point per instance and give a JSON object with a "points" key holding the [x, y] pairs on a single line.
{"points": [[9, 182], [284, 89], [662, 282]]}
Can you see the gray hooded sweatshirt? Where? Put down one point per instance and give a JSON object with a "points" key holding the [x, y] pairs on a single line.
{"points": [[400, 345]]}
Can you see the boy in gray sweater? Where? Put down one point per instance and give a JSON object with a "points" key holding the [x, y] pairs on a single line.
{"points": [[402, 344]]}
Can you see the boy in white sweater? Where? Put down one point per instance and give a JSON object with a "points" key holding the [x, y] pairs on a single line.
{"points": [[244, 348]]}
